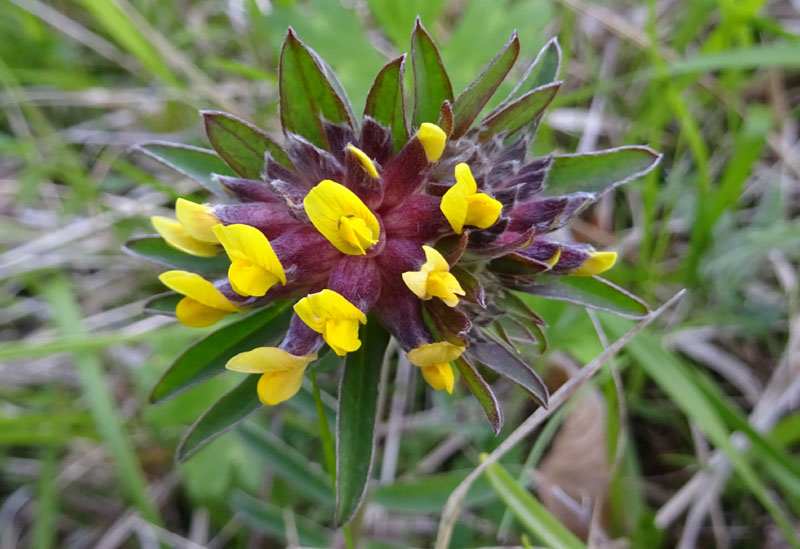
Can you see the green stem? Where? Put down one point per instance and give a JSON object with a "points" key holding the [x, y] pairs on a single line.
{"points": [[329, 449]]}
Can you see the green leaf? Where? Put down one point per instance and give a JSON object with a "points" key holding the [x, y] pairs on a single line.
{"points": [[516, 115], [231, 408], [193, 162], [599, 172], [431, 83], [271, 519], [207, 357], [532, 515], [469, 104], [385, 100], [427, 494], [307, 96], [483, 393], [155, 249], [288, 463], [163, 304], [355, 422], [544, 70], [241, 144], [500, 359], [590, 291]]}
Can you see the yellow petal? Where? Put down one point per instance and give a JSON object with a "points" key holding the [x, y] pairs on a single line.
{"points": [[365, 161], [596, 264], [248, 279], [445, 286], [276, 387], [176, 236], [482, 210], [328, 203], [198, 288], [553, 260], [465, 179], [434, 261], [433, 139], [268, 359], [430, 354], [342, 335], [197, 220], [455, 205], [417, 282], [439, 376], [255, 267], [194, 314]]}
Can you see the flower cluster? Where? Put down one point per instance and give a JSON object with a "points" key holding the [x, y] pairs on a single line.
{"points": [[430, 233]]}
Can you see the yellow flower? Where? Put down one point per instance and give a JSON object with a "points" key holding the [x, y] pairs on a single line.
{"points": [[255, 267], [434, 279], [192, 233], [203, 304], [342, 217], [462, 204], [330, 314], [434, 361], [433, 139], [281, 372], [596, 264]]}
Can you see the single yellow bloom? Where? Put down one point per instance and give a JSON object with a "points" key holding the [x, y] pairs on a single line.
{"points": [[462, 204], [203, 304], [255, 267], [197, 220], [281, 372], [596, 264], [434, 361], [364, 160], [176, 236], [341, 217], [434, 279], [330, 314], [433, 139]]}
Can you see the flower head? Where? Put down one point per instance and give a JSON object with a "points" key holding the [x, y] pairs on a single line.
{"points": [[432, 232]]}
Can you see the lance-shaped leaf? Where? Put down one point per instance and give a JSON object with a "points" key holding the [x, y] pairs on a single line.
{"points": [[599, 172], [355, 422], [207, 357], [307, 96], [241, 144], [519, 113], [193, 162], [431, 84], [532, 515], [288, 463], [231, 408], [543, 70], [483, 393], [271, 519], [385, 100], [469, 104], [590, 291], [500, 359], [155, 249], [163, 304]]}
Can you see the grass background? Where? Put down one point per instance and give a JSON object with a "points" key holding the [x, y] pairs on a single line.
{"points": [[713, 84]]}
